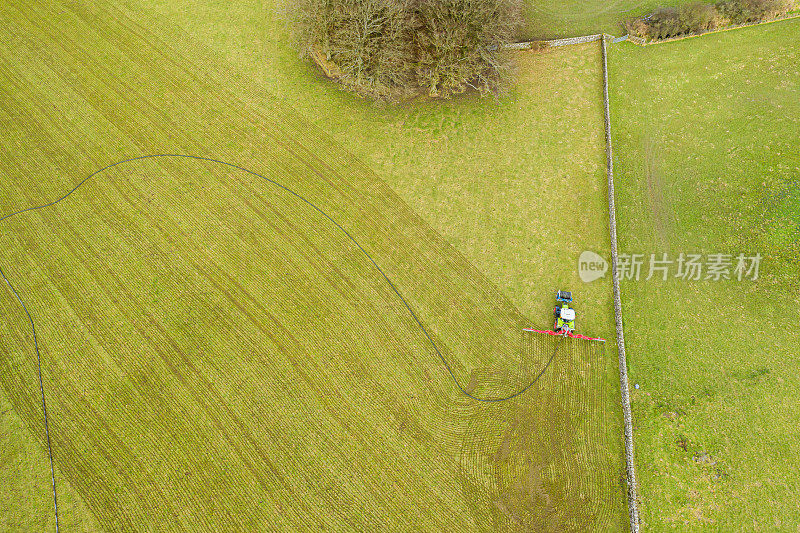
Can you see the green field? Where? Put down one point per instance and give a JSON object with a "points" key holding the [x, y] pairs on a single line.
{"points": [[216, 354], [482, 172], [707, 159]]}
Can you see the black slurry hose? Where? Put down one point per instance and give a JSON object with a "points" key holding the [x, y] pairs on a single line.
{"points": [[301, 198]]}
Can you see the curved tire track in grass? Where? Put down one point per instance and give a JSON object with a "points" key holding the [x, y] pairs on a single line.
{"points": [[299, 197]]}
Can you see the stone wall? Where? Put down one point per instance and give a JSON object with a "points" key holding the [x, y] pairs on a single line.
{"points": [[574, 40], [555, 42], [633, 500]]}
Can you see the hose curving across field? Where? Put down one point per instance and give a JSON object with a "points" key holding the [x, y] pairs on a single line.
{"points": [[299, 197]]}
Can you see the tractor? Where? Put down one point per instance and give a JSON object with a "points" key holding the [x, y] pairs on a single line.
{"points": [[565, 315]]}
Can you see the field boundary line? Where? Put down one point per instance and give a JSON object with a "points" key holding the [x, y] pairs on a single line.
{"points": [[633, 502], [566, 41]]}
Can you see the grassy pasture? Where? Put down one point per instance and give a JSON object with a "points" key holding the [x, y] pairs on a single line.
{"points": [[487, 174], [490, 176], [25, 470], [192, 386], [707, 158]]}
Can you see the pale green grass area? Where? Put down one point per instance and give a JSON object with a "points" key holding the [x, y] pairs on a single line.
{"points": [[217, 355], [492, 176], [707, 158]]}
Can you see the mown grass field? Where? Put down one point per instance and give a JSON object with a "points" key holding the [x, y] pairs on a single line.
{"points": [[489, 175], [707, 160], [218, 355]]}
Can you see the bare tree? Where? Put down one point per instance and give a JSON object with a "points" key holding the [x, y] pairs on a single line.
{"points": [[393, 48]]}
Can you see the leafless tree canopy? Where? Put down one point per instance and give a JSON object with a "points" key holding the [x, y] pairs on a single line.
{"points": [[389, 49]]}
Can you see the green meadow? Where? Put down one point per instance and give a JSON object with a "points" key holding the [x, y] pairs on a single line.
{"points": [[707, 158]]}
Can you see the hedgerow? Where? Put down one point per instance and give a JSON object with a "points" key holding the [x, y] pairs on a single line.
{"points": [[700, 17]]}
